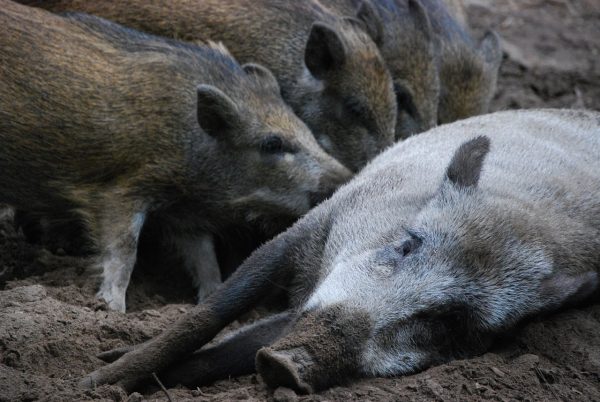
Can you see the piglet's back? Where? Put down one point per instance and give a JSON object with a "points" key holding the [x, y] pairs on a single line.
{"points": [[79, 88]]}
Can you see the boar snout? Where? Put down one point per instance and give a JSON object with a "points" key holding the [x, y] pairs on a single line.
{"points": [[322, 349]]}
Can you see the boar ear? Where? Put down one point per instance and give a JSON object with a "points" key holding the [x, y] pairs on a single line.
{"points": [[561, 288], [216, 111], [263, 74], [324, 51], [465, 167], [490, 49], [367, 13], [419, 16]]}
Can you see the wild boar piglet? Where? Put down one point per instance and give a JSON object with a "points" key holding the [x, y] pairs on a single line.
{"points": [[109, 127], [328, 64]]}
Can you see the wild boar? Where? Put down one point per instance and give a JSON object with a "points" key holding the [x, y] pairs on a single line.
{"points": [[468, 68], [441, 74], [442, 242], [328, 66], [407, 44], [110, 127]]}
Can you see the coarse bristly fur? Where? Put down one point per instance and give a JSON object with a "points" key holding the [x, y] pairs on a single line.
{"points": [[468, 68], [408, 47], [108, 126], [439, 244], [328, 66], [440, 73]]}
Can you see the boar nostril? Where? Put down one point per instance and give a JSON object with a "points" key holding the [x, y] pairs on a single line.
{"points": [[278, 369]]}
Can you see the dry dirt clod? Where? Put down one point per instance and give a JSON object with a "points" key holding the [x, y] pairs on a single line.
{"points": [[135, 397], [527, 359]]}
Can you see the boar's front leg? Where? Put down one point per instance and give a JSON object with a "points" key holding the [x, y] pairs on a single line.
{"points": [[267, 268], [200, 260], [234, 356], [116, 229]]}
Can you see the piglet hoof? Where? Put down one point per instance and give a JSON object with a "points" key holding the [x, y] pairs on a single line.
{"points": [[110, 356]]}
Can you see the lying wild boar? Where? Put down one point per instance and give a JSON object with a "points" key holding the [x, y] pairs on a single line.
{"points": [[110, 127], [440, 73], [437, 245], [329, 68]]}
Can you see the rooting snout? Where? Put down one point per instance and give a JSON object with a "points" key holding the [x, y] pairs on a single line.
{"points": [[332, 175], [331, 179], [322, 349]]}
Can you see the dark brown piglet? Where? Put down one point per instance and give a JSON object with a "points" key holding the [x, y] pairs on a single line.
{"points": [[113, 128]]}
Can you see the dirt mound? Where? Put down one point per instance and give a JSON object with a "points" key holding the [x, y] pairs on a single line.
{"points": [[51, 326]]}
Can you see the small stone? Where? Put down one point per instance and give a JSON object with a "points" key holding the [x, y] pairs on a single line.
{"points": [[135, 397], [412, 386], [497, 371], [241, 394], [283, 394], [435, 387], [152, 313], [182, 310]]}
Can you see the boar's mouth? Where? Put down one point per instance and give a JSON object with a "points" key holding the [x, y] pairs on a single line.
{"points": [[322, 349]]}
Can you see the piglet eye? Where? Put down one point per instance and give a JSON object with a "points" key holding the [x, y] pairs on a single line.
{"points": [[404, 100], [272, 144]]}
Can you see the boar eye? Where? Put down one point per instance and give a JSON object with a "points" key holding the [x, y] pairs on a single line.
{"points": [[273, 144], [404, 100], [410, 245]]}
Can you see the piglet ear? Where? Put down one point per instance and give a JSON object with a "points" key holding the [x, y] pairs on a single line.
{"points": [[418, 14], [263, 75], [465, 167], [490, 49], [367, 13], [563, 288], [217, 113], [325, 52]]}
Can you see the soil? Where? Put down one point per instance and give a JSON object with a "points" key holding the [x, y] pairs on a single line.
{"points": [[51, 325]]}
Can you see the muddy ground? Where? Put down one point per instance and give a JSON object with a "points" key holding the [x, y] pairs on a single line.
{"points": [[51, 326]]}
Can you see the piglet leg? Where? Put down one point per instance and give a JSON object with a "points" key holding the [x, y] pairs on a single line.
{"points": [[117, 228]]}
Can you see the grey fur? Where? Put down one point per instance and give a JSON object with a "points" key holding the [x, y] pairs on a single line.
{"points": [[435, 268]]}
